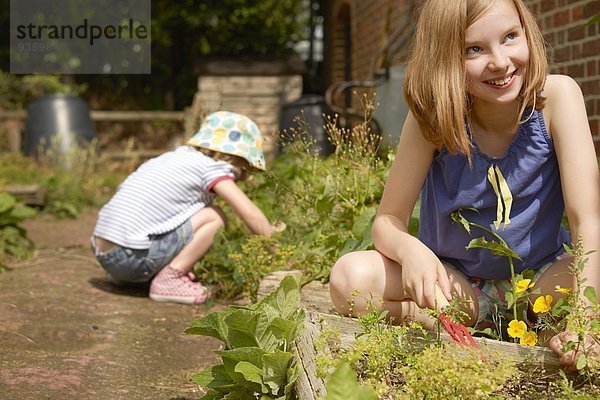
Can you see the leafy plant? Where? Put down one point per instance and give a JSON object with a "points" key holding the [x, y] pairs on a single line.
{"points": [[343, 386], [14, 242], [87, 182], [581, 317], [328, 205], [257, 361], [518, 295], [17, 92], [571, 313], [395, 359]]}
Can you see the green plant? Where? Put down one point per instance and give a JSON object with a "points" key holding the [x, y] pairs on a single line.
{"points": [[518, 295], [343, 386], [581, 317], [328, 205], [86, 182], [17, 92], [456, 373], [394, 359], [257, 361], [571, 313], [14, 242]]}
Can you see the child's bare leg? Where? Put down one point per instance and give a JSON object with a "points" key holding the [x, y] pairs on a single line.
{"points": [[205, 225], [559, 274], [375, 276]]}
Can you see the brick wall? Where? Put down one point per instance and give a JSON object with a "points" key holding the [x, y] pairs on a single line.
{"points": [[575, 48]]}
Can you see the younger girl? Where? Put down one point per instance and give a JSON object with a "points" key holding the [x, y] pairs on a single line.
{"points": [[488, 129], [160, 221]]}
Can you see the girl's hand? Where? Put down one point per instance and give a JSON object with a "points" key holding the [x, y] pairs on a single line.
{"points": [[569, 358], [420, 274]]}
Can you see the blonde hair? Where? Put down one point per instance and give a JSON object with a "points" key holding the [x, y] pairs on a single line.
{"points": [[240, 166], [435, 83]]}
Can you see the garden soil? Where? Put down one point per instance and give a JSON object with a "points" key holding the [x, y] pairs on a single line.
{"points": [[67, 333]]}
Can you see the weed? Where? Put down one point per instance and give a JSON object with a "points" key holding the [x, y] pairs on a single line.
{"points": [[14, 242], [328, 205], [86, 182]]}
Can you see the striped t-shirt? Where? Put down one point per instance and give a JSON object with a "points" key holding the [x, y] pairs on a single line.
{"points": [[160, 195]]}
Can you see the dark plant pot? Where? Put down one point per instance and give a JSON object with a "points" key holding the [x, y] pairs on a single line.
{"points": [[57, 121], [309, 108]]}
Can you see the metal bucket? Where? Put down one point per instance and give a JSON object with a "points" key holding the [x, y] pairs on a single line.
{"points": [[57, 121]]}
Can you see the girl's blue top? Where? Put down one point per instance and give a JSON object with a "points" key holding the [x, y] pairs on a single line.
{"points": [[520, 191]]}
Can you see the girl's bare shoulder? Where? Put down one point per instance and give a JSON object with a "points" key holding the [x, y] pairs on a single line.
{"points": [[561, 92], [557, 86]]}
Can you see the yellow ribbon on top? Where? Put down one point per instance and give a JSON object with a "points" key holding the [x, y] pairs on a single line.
{"points": [[505, 198]]}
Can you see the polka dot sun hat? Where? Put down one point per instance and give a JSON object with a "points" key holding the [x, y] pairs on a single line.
{"points": [[231, 133]]}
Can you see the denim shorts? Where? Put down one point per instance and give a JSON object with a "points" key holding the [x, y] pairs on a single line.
{"points": [[137, 266], [491, 297]]}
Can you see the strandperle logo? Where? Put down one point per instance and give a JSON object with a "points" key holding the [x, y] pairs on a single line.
{"points": [[129, 30], [80, 36]]}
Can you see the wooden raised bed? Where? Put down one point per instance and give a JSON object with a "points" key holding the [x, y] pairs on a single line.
{"points": [[320, 312], [33, 195]]}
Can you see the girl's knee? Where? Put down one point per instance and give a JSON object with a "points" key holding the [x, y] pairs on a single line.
{"points": [[209, 215], [217, 215], [349, 275]]}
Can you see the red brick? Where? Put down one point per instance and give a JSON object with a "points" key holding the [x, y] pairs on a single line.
{"points": [[561, 18], [591, 8], [548, 5], [575, 71], [592, 68], [590, 88], [591, 49], [576, 51], [576, 13], [562, 54], [576, 33]]}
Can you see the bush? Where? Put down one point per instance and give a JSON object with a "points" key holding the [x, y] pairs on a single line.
{"points": [[328, 205], [14, 242]]}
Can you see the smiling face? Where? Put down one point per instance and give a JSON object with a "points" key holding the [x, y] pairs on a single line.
{"points": [[496, 55]]}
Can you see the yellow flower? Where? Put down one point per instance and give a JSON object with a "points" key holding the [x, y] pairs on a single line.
{"points": [[563, 290], [529, 338], [516, 328], [523, 285], [542, 304]]}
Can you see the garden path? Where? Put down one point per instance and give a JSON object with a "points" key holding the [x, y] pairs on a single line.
{"points": [[66, 333]]}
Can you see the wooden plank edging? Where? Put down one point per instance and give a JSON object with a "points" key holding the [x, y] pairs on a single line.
{"points": [[315, 299]]}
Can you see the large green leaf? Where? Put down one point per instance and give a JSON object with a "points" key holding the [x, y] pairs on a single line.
{"points": [[343, 385], [7, 202], [249, 328], [495, 248], [252, 355], [590, 293], [285, 300], [275, 370], [22, 212], [251, 373], [214, 378], [212, 325], [288, 329]]}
